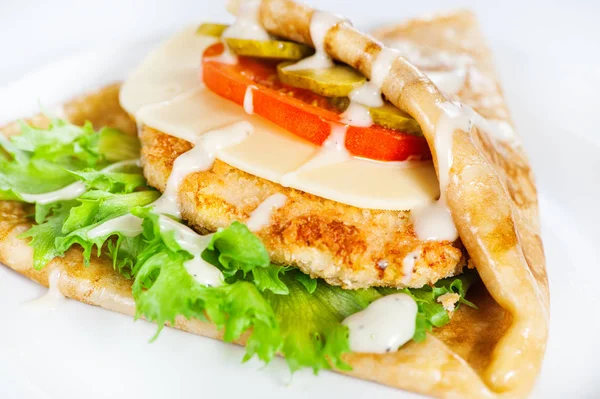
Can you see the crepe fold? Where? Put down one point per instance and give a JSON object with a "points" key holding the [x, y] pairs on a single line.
{"points": [[493, 351]]}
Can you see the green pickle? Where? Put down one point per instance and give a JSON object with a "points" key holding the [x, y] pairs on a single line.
{"points": [[337, 81], [387, 116], [274, 49], [214, 30], [391, 117]]}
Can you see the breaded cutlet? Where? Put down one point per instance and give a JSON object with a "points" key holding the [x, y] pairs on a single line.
{"points": [[345, 245]]}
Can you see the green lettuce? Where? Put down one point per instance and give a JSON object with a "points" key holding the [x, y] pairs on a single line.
{"points": [[276, 309], [44, 160], [164, 290], [241, 255]]}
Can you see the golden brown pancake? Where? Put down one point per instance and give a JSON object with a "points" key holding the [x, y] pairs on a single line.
{"points": [[493, 351]]}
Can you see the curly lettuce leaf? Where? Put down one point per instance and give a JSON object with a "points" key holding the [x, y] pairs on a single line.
{"points": [[98, 207], [112, 180], [238, 253], [43, 160], [164, 290], [43, 236], [308, 282]]}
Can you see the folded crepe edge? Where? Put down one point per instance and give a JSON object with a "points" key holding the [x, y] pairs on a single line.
{"points": [[500, 233]]}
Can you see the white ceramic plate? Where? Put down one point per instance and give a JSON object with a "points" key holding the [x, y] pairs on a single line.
{"points": [[79, 351]]}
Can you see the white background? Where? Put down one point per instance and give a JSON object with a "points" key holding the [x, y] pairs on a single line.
{"points": [[548, 56]]}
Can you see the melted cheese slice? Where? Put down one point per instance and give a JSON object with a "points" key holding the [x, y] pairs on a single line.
{"points": [[166, 93]]}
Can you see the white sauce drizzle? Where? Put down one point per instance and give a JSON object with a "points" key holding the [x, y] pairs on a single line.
{"points": [[69, 192], [357, 115], [73, 190], [53, 297], [430, 58], [122, 164], [382, 65], [128, 225], [247, 25], [433, 222], [199, 158], [408, 265], [320, 23], [190, 241], [261, 216], [369, 93], [226, 57], [248, 99], [384, 326], [448, 82], [332, 151]]}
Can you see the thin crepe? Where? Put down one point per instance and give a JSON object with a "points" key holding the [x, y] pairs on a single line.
{"points": [[488, 352]]}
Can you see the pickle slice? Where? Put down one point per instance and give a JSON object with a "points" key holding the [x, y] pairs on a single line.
{"points": [[275, 49], [387, 116], [391, 117], [214, 30], [337, 81]]}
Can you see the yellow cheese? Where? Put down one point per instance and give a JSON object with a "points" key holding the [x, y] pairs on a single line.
{"points": [[165, 93]]}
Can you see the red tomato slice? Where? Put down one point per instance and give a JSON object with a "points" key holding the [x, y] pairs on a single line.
{"points": [[303, 112]]}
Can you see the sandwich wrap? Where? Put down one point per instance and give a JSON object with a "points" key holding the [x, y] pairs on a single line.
{"points": [[494, 351]]}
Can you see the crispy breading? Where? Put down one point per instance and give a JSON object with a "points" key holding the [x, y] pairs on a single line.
{"points": [[342, 244]]}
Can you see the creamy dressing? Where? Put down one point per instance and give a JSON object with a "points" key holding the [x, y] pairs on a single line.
{"points": [[369, 93], [384, 326], [128, 225], [382, 65], [261, 216], [247, 25], [498, 130], [226, 57], [190, 241], [448, 71], [199, 158], [448, 82], [428, 58], [433, 222], [248, 99], [408, 265], [72, 190], [53, 297], [320, 23], [122, 164], [357, 115], [69, 192], [332, 151]]}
